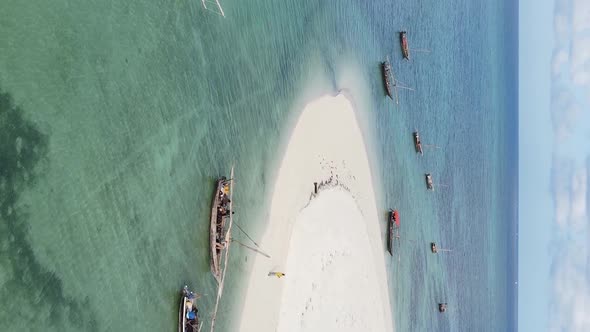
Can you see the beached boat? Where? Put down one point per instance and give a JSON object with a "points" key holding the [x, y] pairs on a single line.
{"points": [[220, 209], [403, 36], [188, 314], [429, 182], [386, 71], [418, 143], [393, 232]]}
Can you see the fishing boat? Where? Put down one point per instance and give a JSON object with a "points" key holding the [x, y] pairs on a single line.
{"points": [[429, 182], [418, 143], [433, 247], [386, 71], [442, 307], [188, 314], [404, 42], [220, 209], [394, 225], [390, 82]]}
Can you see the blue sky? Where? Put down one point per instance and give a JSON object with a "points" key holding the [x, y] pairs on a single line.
{"points": [[535, 142], [554, 165]]}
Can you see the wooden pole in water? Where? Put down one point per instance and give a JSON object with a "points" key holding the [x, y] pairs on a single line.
{"points": [[254, 249], [248, 236]]}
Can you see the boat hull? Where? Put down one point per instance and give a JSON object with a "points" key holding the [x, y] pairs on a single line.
{"points": [[181, 314], [429, 183], [393, 226], [390, 239], [417, 143], [404, 43], [214, 233], [184, 324], [386, 72]]}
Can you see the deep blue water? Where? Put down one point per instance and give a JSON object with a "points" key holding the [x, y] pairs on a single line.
{"points": [[129, 110]]}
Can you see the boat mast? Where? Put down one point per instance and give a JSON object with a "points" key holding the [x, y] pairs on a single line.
{"points": [[394, 83], [400, 86], [253, 249], [248, 236], [218, 11]]}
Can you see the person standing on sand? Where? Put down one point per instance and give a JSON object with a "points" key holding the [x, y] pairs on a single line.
{"points": [[276, 274]]}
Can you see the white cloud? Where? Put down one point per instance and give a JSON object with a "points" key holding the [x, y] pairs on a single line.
{"points": [[561, 27], [565, 113], [580, 16], [578, 196], [570, 194], [559, 62], [580, 61], [571, 307]]}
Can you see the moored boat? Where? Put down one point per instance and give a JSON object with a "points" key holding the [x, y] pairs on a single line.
{"points": [[417, 143], [429, 182], [403, 36], [435, 249], [220, 210], [394, 224], [188, 314], [386, 71]]}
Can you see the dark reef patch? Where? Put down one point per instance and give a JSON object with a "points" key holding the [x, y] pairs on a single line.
{"points": [[29, 292]]}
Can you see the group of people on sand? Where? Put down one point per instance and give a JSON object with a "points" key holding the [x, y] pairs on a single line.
{"points": [[223, 211]]}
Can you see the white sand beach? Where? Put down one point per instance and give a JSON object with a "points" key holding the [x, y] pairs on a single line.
{"points": [[331, 246]]}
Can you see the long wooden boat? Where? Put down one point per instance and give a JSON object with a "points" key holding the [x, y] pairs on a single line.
{"points": [[417, 143], [429, 182], [219, 211], [386, 72], [393, 232], [403, 36], [188, 314]]}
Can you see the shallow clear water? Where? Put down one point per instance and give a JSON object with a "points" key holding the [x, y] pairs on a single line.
{"points": [[115, 119]]}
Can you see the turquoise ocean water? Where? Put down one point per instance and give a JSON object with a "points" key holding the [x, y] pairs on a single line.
{"points": [[116, 117]]}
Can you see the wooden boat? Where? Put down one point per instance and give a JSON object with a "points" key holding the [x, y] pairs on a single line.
{"points": [[386, 71], [393, 232], [417, 143], [435, 249], [404, 43], [429, 182], [188, 314], [217, 236]]}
